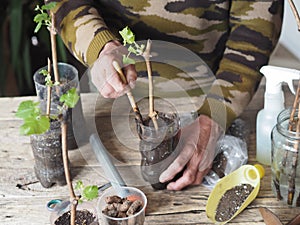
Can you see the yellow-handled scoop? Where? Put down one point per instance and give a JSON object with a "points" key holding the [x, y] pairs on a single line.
{"points": [[233, 193]]}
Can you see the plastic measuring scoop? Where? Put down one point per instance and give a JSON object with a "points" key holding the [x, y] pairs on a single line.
{"points": [[246, 174]]}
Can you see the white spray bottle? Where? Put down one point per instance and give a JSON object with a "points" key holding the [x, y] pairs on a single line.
{"points": [[273, 105]]}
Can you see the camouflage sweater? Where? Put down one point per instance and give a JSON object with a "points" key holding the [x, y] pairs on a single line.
{"points": [[234, 37]]}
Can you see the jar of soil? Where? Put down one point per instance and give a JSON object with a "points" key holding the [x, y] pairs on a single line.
{"points": [[285, 159], [68, 79], [158, 145], [47, 152], [86, 214]]}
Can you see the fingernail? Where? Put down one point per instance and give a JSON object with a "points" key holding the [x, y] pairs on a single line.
{"points": [[170, 187], [163, 178]]}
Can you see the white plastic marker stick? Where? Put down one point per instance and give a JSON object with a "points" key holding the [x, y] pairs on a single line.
{"points": [[109, 168], [134, 106]]}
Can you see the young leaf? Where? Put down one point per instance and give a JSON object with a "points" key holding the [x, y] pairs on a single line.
{"points": [[90, 192], [70, 98], [127, 35], [49, 6], [43, 18], [128, 60], [35, 125], [134, 48], [28, 109], [79, 185]]}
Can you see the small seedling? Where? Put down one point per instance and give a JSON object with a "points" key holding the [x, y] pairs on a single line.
{"points": [[129, 38], [48, 80], [88, 193], [43, 18]]}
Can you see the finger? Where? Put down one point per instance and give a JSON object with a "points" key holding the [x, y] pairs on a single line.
{"points": [[178, 163], [107, 91], [113, 78], [200, 175], [131, 75], [187, 179]]}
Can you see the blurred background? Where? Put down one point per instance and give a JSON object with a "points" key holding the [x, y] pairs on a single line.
{"points": [[22, 51]]}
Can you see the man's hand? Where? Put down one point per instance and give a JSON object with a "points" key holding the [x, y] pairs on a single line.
{"points": [[198, 143], [105, 77]]}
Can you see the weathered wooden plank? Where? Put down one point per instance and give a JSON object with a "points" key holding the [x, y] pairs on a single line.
{"points": [[23, 199]]}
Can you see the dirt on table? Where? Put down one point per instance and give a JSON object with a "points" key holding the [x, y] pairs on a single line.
{"points": [[231, 201]]}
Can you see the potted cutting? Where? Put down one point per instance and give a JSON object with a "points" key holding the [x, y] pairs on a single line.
{"points": [[157, 123], [78, 210], [42, 122], [39, 126], [64, 75]]}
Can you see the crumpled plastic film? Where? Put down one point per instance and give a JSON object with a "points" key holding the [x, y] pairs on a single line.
{"points": [[231, 153]]}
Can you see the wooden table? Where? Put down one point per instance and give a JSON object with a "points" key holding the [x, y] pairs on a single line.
{"points": [[23, 199]]}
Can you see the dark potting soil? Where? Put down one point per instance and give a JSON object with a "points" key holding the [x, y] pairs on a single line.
{"points": [[231, 201], [83, 217], [153, 153], [219, 164]]}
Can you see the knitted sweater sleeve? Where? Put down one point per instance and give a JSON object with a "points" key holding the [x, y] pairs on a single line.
{"points": [[81, 28], [254, 32]]}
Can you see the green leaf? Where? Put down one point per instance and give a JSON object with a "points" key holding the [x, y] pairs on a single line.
{"points": [[49, 6], [40, 18], [90, 192], [70, 98], [38, 27], [127, 35], [28, 109], [35, 125], [132, 50], [127, 60], [79, 185]]}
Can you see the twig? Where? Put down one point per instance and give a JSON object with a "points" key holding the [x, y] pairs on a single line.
{"points": [[133, 104], [295, 12], [53, 48], [48, 91], [73, 198], [292, 175], [152, 112]]}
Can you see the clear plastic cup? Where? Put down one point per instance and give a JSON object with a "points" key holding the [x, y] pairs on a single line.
{"points": [[61, 211], [68, 79], [135, 219]]}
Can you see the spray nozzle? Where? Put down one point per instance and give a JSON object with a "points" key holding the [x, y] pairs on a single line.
{"points": [[276, 75]]}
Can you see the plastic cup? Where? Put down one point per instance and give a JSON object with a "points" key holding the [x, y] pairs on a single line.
{"points": [[135, 219], [58, 208], [68, 79]]}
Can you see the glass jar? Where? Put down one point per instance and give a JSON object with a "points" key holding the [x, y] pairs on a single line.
{"points": [[285, 159], [158, 147]]}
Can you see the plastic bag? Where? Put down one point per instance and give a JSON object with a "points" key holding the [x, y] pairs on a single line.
{"points": [[231, 153]]}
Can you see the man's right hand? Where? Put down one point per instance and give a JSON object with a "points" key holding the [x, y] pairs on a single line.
{"points": [[105, 77]]}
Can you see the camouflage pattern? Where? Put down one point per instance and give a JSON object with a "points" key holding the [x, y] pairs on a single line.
{"points": [[234, 37]]}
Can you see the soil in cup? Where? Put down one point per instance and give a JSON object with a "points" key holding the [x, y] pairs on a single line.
{"points": [[154, 153], [83, 217]]}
